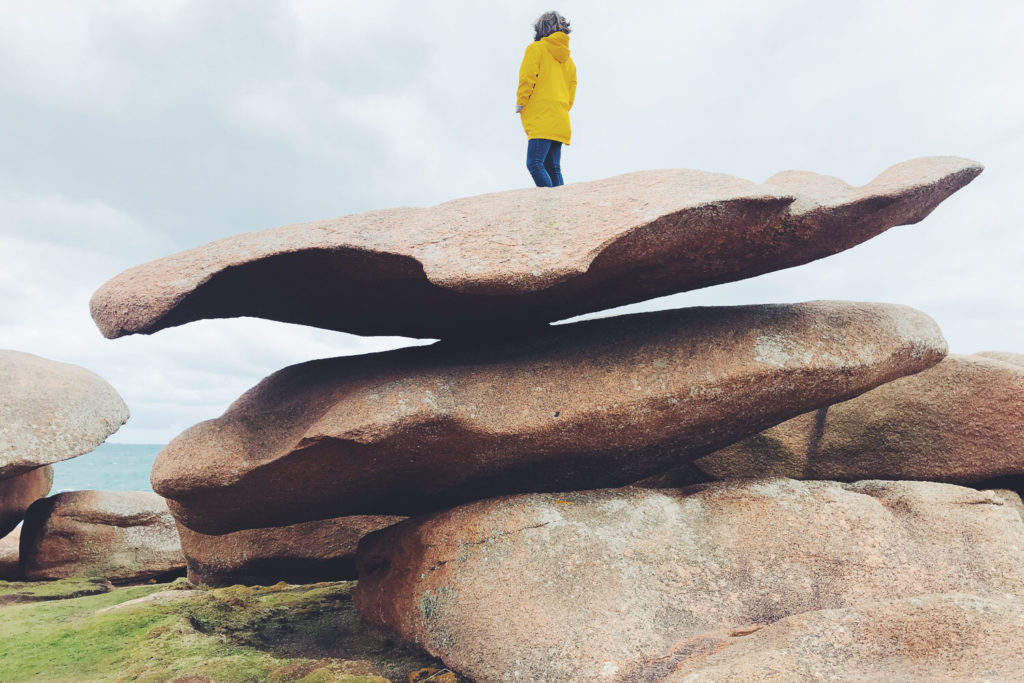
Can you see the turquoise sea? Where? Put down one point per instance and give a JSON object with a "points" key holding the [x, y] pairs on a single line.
{"points": [[111, 467]]}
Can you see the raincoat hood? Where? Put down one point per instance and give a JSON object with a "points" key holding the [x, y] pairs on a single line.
{"points": [[558, 46]]}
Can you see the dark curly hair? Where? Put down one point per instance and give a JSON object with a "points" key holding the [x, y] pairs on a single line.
{"points": [[549, 23]]}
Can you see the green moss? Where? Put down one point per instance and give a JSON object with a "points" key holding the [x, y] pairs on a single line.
{"points": [[34, 591], [277, 633]]}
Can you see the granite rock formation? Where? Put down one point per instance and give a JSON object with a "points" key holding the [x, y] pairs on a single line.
{"points": [[961, 421], [122, 536], [505, 260], [599, 585], [592, 404], [52, 411], [953, 637], [567, 580], [323, 550]]}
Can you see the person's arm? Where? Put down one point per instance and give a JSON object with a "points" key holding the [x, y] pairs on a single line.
{"points": [[572, 83], [528, 72]]}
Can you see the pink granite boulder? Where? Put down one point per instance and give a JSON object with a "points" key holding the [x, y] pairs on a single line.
{"points": [[122, 536], [961, 421], [952, 637], [592, 404], [608, 584], [52, 411], [505, 260]]}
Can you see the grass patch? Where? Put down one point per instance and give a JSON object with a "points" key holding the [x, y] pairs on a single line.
{"points": [[276, 633], [12, 592]]}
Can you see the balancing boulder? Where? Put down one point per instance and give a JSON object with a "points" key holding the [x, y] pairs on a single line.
{"points": [[507, 260], [52, 411], [592, 404]]}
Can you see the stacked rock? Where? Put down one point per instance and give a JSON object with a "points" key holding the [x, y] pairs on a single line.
{"points": [[121, 536], [49, 412], [502, 573], [320, 550], [961, 421]]}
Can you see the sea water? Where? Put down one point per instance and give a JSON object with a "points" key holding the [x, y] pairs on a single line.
{"points": [[111, 467]]}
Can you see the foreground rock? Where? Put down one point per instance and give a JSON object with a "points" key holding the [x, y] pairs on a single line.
{"points": [[122, 536], [20, 491], [932, 638], [300, 553], [593, 404], [51, 411], [599, 585], [961, 421], [499, 260]]}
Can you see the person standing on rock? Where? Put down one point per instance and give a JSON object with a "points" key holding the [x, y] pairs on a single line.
{"points": [[547, 89]]}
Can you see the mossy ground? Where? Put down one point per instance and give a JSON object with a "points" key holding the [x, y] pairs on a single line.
{"points": [[54, 631], [35, 591]]}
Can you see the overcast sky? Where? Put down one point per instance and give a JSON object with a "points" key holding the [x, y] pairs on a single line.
{"points": [[132, 130]]}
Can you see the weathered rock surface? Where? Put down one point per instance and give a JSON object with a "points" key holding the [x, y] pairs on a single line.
{"points": [[52, 411], [323, 550], [9, 555], [587, 405], [122, 536], [500, 260], [933, 638], [600, 585], [1005, 356], [20, 491], [961, 421], [1012, 499]]}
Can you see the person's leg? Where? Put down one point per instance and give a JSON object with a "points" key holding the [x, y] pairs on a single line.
{"points": [[553, 164], [536, 153]]}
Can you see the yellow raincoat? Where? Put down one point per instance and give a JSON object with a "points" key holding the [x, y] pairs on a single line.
{"points": [[547, 88]]}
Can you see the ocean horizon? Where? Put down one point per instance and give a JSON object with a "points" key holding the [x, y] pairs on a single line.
{"points": [[111, 467]]}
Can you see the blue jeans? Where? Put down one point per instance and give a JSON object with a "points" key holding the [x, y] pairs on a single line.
{"points": [[544, 158]]}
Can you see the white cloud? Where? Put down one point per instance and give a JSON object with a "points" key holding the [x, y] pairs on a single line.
{"points": [[50, 217]]}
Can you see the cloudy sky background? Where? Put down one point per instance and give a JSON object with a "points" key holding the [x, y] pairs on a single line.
{"points": [[132, 130]]}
